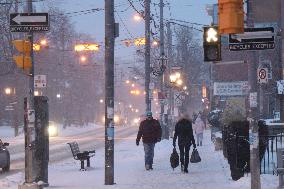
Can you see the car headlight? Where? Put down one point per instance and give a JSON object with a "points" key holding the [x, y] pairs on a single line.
{"points": [[52, 130]]}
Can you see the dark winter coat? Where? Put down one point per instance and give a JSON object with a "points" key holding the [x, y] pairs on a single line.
{"points": [[150, 131], [184, 133]]}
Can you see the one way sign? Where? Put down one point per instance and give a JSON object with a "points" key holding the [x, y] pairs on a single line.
{"points": [[252, 39], [29, 22]]}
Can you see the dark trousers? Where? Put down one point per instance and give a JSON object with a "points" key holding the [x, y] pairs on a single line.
{"points": [[184, 155], [149, 153]]}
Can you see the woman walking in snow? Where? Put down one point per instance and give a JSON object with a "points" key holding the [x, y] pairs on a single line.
{"points": [[199, 127]]}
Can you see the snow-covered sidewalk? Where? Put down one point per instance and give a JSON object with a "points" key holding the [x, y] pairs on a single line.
{"points": [[212, 172]]}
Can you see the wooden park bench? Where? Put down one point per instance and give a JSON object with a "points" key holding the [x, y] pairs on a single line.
{"points": [[279, 169], [82, 156]]}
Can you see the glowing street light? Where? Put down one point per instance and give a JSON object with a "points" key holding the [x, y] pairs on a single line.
{"points": [[36, 47], [185, 88], [127, 81], [86, 47], [43, 42], [179, 82], [101, 101], [8, 91], [83, 58], [36, 93], [137, 17], [139, 41], [58, 95]]}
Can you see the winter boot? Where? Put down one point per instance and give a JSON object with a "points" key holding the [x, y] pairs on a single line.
{"points": [[151, 167], [182, 167], [147, 166], [185, 170]]}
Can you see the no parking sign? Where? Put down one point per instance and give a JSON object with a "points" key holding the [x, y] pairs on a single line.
{"points": [[262, 75]]}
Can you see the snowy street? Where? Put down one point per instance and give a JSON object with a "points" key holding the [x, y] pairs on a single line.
{"points": [[213, 171], [88, 138]]}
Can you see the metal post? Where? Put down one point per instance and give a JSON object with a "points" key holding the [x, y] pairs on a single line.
{"points": [[281, 97], [147, 54], [109, 91], [254, 147], [170, 62], [30, 173], [162, 59]]}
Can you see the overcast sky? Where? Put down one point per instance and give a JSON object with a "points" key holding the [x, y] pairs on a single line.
{"points": [[187, 10]]}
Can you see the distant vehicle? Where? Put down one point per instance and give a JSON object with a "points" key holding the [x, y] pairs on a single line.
{"points": [[52, 129], [4, 156]]}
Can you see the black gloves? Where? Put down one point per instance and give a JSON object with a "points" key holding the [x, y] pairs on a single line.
{"points": [[137, 142], [159, 140]]}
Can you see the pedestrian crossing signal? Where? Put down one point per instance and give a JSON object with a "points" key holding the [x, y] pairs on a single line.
{"points": [[211, 44]]}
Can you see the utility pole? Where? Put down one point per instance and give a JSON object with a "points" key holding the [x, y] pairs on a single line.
{"points": [[147, 54], [254, 146], [109, 91], [170, 62], [162, 59], [29, 127]]}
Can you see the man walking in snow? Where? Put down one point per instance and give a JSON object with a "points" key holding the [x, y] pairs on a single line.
{"points": [[150, 131], [184, 133]]}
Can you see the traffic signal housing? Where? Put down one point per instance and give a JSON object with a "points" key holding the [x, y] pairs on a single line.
{"points": [[211, 44], [23, 60], [231, 16]]}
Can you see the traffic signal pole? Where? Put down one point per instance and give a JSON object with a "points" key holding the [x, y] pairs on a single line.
{"points": [[254, 135], [109, 91], [147, 54]]}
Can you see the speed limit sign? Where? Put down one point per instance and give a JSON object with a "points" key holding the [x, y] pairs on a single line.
{"points": [[262, 76]]}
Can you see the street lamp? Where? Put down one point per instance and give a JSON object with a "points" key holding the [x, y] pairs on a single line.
{"points": [[8, 91], [43, 42], [58, 96], [137, 17], [83, 58], [101, 101]]}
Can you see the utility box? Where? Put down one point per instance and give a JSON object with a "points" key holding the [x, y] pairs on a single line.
{"points": [[41, 139]]}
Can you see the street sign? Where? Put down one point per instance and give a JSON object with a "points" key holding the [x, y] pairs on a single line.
{"points": [[29, 22], [262, 75], [252, 39], [178, 99], [280, 87], [40, 81], [253, 100]]}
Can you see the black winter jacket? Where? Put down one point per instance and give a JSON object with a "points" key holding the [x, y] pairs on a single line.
{"points": [[184, 133]]}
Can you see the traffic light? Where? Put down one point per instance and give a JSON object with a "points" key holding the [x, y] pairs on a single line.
{"points": [[231, 16], [211, 44], [23, 60]]}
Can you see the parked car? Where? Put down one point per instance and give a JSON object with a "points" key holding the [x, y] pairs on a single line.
{"points": [[4, 156]]}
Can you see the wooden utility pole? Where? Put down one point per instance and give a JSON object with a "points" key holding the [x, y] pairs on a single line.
{"points": [[147, 54], [109, 91]]}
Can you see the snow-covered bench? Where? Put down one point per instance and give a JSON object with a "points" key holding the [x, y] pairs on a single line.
{"points": [[82, 156]]}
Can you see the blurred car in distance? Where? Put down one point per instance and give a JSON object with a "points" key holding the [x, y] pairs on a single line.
{"points": [[4, 156]]}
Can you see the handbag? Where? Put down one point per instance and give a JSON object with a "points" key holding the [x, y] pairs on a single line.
{"points": [[174, 159], [195, 158]]}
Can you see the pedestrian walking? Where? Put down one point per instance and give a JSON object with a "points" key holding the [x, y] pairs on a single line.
{"points": [[150, 131], [199, 128], [184, 133]]}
